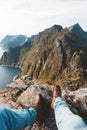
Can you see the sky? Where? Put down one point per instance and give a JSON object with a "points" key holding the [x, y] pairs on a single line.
{"points": [[29, 17]]}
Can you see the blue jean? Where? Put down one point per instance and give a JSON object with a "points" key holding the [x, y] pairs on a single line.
{"points": [[20, 119], [16, 119], [65, 119]]}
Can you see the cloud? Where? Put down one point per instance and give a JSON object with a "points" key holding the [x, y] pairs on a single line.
{"points": [[31, 16], [24, 4]]}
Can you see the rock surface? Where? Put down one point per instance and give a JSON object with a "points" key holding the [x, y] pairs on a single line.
{"points": [[21, 93]]}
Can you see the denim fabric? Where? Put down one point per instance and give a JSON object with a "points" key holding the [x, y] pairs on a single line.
{"points": [[65, 119], [16, 119]]}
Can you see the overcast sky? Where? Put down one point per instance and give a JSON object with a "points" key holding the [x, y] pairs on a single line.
{"points": [[32, 16]]}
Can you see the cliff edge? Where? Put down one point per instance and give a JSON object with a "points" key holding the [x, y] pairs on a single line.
{"points": [[20, 94]]}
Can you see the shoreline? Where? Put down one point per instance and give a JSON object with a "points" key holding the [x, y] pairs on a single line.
{"points": [[12, 66], [15, 77]]}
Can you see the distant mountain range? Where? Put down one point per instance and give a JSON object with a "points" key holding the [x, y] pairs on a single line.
{"points": [[11, 41], [56, 55]]}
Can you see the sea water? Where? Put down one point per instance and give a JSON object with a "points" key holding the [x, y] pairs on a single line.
{"points": [[7, 74]]}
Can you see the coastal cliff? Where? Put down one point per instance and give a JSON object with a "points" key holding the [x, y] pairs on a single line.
{"points": [[57, 55]]}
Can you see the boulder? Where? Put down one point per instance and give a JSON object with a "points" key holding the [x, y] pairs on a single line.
{"points": [[21, 94]]}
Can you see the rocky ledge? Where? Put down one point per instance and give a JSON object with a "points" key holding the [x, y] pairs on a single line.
{"points": [[20, 94]]}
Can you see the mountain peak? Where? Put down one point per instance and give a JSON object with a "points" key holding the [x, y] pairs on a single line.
{"points": [[58, 27], [79, 32], [76, 28]]}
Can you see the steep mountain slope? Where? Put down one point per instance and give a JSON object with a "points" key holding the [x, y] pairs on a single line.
{"points": [[56, 55]]}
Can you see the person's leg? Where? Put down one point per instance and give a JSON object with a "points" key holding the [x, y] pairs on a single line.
{"points": [[65, 119], [16, 119], [20, 119]]}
